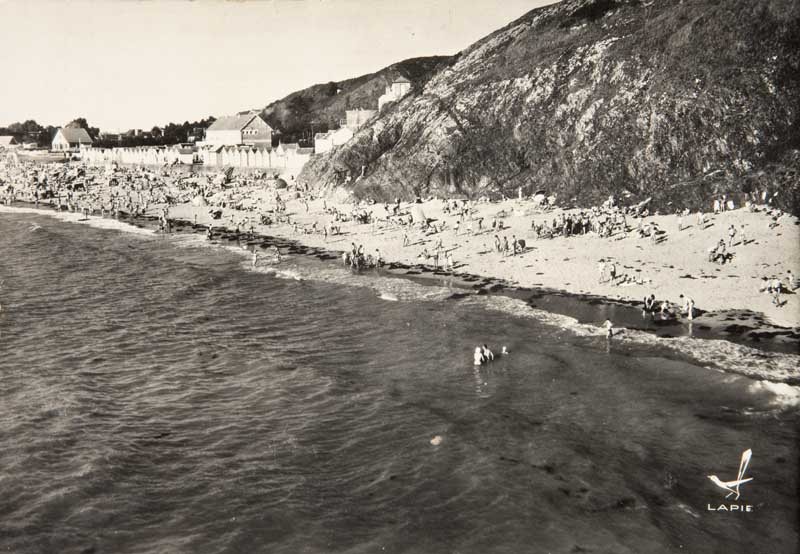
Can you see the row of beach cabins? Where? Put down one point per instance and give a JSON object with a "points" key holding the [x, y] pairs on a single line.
{"points": [[283, 156]]}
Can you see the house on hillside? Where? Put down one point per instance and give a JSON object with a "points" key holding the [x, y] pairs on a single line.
{"points": [[323, 142], [394, 92], [8, 141], [70, 139], [357, 118], [233, 130]]}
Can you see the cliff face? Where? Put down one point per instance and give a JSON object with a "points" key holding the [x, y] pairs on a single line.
{"points": [[320, 107], [675, 100]]}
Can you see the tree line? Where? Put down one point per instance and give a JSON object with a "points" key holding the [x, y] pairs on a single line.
{"points": [[30, 131]]}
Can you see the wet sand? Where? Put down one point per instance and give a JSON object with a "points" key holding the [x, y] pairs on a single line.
{"points": [[676, 265]]}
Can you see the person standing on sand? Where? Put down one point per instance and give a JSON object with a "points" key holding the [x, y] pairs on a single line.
{"points": [[497, 243], [791, 283], [405, 240], [601, 268], [731, 234], [742, 236], [612, 272], [688, 306], [775, 289], [505, 246]]}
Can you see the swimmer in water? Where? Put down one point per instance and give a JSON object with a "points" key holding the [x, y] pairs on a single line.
{"points": [[488, 354], [609, 328], [255, 258], [208, 233], [478, 356], [504, 351]]}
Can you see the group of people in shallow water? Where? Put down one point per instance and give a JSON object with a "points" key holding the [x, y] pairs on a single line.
{"points": [[356, 258], [667, 310], [484, 355]]}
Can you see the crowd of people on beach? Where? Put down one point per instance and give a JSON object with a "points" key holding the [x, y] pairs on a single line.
{"points": [[242, 203]]}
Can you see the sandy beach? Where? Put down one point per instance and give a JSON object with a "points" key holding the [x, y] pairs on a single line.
{"points": [[676, 265]]}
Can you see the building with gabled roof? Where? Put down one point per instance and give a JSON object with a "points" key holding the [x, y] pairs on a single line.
{"points": [[70, 139], [400, 87], [8, 141], [232, 130]]}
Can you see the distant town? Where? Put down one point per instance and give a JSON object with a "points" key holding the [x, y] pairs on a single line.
{"points": [[243, 140]]}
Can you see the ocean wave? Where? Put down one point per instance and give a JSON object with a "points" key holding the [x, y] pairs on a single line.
{"points": [[783, 395], [75, 217]]}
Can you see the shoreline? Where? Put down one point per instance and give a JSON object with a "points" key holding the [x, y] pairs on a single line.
{"points": [[740, 327]]}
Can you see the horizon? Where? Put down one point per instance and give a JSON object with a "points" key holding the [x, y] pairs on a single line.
{"points": [[161, 68]]}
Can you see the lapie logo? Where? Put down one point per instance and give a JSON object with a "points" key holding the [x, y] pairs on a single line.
{"points": [[732, 487]]}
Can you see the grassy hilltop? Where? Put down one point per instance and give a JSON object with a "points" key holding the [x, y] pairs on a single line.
{"points": [[678, 100]]}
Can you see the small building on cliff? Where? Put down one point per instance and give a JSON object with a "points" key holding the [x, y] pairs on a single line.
{"points": [[394, 92]]}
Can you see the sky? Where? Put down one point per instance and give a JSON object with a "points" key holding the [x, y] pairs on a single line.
{"points": [[135, 64]]}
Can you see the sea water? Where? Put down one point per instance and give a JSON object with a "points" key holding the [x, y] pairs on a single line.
{"points": [[158, 394]]}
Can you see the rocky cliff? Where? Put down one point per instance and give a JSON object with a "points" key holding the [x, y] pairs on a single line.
{"points": [[669, 99]]}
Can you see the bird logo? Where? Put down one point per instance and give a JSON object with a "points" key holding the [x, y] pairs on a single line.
{"points": [[733, 486]]}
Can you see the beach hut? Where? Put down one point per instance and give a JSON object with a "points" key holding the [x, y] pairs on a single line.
{"points": [[418, 214]]}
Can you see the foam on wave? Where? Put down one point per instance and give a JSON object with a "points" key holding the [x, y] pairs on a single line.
{"points": [[78, 218]]}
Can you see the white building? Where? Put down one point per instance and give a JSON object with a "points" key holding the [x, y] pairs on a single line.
{"points": [[233, 130], [323, 142], [70, 139], [394, 92], [8, 141], [357, 118]]}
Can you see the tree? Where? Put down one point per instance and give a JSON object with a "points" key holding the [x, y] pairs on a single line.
{"points": [[81, 123]]}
